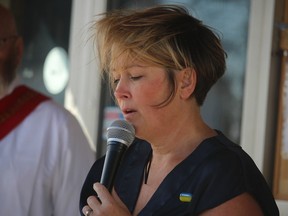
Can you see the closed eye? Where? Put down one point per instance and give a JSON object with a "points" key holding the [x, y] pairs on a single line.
{"points": [[115, 81], [134, 78]]}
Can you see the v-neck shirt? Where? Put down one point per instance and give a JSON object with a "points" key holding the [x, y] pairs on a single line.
{"points": [[216, 171]]}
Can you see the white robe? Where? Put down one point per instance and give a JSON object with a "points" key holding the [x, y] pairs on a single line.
{"points": [[43, 164]]}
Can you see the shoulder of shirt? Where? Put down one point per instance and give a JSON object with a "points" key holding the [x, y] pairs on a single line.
{"points": [[57, 112], [220, 153]]}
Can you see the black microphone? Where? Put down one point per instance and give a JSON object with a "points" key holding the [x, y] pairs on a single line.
{"points": [[120, 134]]}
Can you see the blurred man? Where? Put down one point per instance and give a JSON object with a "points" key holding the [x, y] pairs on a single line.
{"points": [[44, 154]]}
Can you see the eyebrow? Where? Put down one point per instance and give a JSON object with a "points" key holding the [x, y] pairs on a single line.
{"points": [[129, 67], [136, 65]]}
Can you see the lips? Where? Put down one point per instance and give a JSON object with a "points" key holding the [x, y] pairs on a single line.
{"points": [[127, 111]]}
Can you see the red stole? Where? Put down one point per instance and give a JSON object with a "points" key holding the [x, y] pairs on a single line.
{"points": [[16, 106]]}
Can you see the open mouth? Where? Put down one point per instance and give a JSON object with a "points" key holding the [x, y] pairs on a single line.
{"points": [[128, 111]]}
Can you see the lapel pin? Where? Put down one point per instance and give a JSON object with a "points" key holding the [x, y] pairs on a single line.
{"points": [[185, 197]]}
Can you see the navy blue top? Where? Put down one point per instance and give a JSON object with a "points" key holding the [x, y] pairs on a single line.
{"points": [[216, 171]]}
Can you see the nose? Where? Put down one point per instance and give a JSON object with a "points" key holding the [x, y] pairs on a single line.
{"points": [[122, 90]]}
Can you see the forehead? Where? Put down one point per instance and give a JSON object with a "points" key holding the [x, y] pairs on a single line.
{"points": [[122, 60]]}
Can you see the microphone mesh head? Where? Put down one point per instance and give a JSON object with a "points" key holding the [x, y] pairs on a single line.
{"points": [[121, 131]]}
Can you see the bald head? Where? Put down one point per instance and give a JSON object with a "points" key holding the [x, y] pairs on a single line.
{"points": [[7, 23]]}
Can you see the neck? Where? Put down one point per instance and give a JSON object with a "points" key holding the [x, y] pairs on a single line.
{"points": [[182, 137], [173, 150]]}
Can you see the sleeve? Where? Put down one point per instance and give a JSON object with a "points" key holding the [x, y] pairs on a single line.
{"points": [[75, 160], [222, 178]]}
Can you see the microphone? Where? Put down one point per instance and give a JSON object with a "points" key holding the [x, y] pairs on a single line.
{"points": [[120, 134]]}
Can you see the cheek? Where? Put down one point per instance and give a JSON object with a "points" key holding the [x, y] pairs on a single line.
{"points": [[3, 56], [8, 66], [153, 93], [7, 55]]}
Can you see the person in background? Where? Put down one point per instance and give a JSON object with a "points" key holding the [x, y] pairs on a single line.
{"points": [[44, 154], [161, 62]]}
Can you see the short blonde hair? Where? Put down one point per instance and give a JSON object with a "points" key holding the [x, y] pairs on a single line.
{"points": [[165, 36]]}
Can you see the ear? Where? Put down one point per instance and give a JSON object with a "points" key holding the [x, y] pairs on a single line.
{"points": [[187, 82]]}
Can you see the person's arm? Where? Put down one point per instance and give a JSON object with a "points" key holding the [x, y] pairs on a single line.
{"points": [[242, 205]]}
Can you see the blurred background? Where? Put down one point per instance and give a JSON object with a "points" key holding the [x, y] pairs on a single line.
{"points": [[247, 104]]}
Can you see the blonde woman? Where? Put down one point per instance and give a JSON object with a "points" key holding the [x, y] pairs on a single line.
{"points": [[162, 62]]}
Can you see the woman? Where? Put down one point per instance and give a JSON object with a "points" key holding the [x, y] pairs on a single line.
{"points": [[162, 62]]}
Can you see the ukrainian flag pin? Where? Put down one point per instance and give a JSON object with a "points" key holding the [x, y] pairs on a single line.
{"points": [[185, 197]]}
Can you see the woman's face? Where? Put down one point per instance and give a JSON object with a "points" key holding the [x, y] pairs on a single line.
{"points": [[139, 88]]}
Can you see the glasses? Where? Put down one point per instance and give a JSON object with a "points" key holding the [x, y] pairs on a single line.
{"points": [[4, 40]]}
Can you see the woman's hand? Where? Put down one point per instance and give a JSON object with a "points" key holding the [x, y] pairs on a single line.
{"points": [[105, 204]]}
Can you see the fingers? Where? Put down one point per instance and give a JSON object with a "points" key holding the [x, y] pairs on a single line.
{"points": [[94, 202], [93, 206], [101, 191], [104, 204], [87, 211]]}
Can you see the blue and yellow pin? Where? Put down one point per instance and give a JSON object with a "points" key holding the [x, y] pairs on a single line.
{"points": [[185, 197]]}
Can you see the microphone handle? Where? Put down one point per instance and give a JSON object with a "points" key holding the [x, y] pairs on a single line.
{"points": [[114, 155]]}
